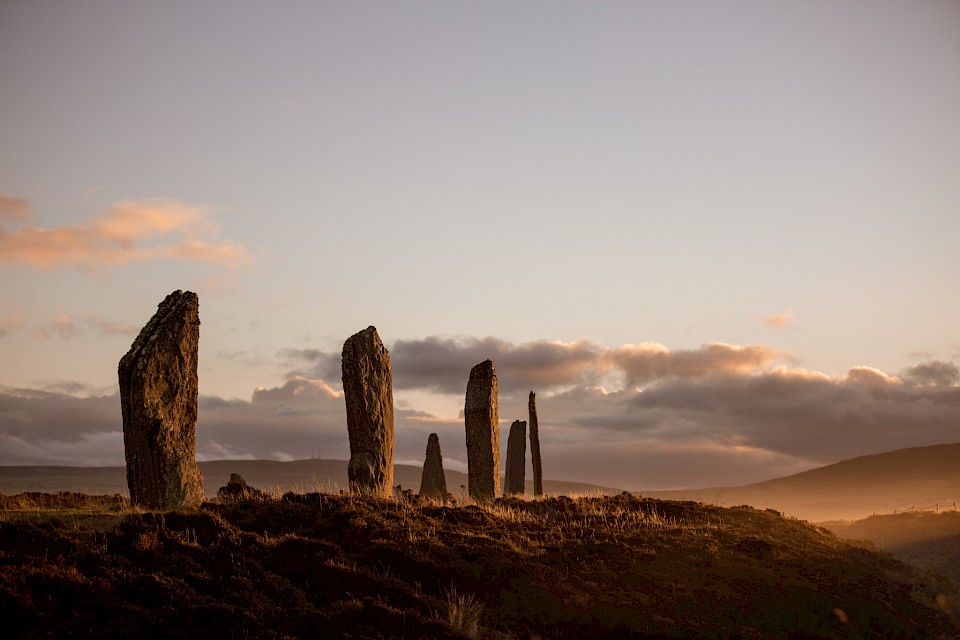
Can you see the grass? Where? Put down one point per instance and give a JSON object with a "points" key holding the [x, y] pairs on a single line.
{"points": [[463, 613], [331, 565]]}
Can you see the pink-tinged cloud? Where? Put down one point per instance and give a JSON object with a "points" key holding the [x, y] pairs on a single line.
{"points": [[646, 362], [69, 327], [64, 326], [12, 208], [870, 376], [130, 231], [779, 320], [9, 323]]}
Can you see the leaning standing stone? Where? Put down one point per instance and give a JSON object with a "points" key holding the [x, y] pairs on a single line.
{"points": [[433, 483], [368, 392], [535, 446], [483, 433], [516, 471], [158, 400]]}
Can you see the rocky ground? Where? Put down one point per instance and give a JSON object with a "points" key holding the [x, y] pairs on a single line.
{"points": [[337, 566]]}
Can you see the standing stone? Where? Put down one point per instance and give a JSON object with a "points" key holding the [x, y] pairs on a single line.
{"points": [[516, 471], [483, 433], [535, 446], [368, 392], [158, 400], [433, 483]]}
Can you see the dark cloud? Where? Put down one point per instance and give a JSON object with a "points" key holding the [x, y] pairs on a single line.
{"points": [[711, 419], [443, 365], [933, 372], [312, 363]]}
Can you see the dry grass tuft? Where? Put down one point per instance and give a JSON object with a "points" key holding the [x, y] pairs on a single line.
{"points": [[464, 612]]}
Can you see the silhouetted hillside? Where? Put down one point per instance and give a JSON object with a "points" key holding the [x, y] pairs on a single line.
{"points": [[338, 566], [930, 541], [851, 489]]}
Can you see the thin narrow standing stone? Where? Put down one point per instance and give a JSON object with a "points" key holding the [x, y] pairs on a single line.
{"points": [[516, 459], [535, 446], [483, 433], [158, 401], [368, 393], [433, 483]]}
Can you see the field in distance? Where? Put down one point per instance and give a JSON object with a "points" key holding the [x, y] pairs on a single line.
{"points": [[272, 476]]}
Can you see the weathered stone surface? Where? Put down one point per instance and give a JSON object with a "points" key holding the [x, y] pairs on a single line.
{"points": [[433, 483], [516, 468], [368, 393], [483, 433], [238, 489], [535, 446], [158, 400]]}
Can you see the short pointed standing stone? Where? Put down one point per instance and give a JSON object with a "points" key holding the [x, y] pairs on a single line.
{"points": [[368, 393], [516, 468], [433, 483], [483, 433], [158, 400], [535, 446]]}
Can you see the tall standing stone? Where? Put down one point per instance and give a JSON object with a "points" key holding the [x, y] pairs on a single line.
{"points": [[368, 392], [483, 433], [516, 470], [158, 400], [433, 483], [535, 446]]}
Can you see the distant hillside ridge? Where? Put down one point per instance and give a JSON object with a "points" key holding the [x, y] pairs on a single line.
{"points": [[271, 475], [851, 489]]}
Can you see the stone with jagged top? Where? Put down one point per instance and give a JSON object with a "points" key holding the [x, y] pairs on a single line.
{"points": [[368, 393], [158, 400]]}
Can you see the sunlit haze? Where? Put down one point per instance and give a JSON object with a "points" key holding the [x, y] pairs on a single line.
{"points": [[718, 239]]}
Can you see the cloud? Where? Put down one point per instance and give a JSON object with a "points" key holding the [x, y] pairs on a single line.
{"points": [[934, 372], [650, 361], [718, 415], [129, 231], [107, 327], [443, 365], [64, 326], [779, 320], [10, 323], [69, 327], [12, 208]]}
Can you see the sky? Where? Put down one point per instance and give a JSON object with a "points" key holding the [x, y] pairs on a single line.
{"points": [[718, 239]]}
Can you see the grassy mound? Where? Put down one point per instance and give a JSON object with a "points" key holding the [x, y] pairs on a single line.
{"points": [[318, 565]]}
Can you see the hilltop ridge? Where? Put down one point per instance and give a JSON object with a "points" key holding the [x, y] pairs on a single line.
{"points": [[321, 565], [851, 489]]}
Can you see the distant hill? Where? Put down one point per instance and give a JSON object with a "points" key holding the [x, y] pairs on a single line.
{"points": [[297, 475], [852, 489]]}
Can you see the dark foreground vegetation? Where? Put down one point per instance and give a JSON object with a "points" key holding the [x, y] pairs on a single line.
{"points": [[930, 541], [332, 566]]}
